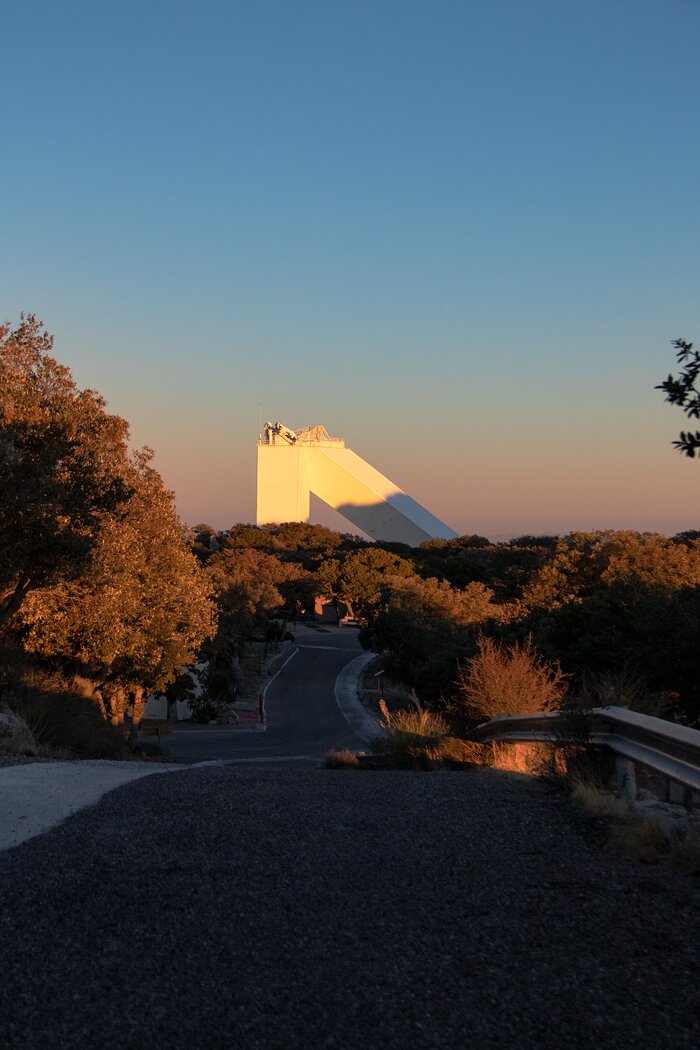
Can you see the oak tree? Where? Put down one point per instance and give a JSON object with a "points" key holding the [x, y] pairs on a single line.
{"points": [[63, 466], [139, 611], [250, 585]]}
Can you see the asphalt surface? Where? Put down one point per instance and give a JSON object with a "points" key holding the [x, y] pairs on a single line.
{"points": [[301, 713], [283, 905], [313, 705]]}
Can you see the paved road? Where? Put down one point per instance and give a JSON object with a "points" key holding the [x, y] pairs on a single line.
{"points": [[301, 712], [261, 907]]}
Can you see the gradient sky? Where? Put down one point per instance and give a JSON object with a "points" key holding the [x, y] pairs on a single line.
{"points": [[460, 234]]}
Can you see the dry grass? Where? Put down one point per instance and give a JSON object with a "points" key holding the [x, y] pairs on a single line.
{"points": [[419, 725], [638, 837], [419, 739], [65, 725], [535, 758], [509, 680], [641, 839], [600, 803], [343, 759], [452, 752], [410, 736], [685, 851]]}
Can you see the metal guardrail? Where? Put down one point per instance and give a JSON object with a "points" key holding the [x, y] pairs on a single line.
{"points": [[667, 748]]}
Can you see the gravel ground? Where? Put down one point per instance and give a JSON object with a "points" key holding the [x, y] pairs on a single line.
{"points": [[271, 906]]}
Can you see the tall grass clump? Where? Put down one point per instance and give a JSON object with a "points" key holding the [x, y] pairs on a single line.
{"points": [[508, 680], [410, 736]]}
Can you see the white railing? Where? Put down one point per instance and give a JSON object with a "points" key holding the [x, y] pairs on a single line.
{"points": [[669, 749]]}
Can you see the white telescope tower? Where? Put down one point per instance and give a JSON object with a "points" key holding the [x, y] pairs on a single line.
{"points": [[293, 464]]}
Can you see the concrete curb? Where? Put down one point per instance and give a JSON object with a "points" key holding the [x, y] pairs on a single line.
{"points": [[347, 687]]}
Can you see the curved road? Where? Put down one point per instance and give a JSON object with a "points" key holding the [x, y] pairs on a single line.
{"points": [[302, 717]]}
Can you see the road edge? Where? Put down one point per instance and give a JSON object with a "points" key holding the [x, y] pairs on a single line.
{"points": [[347, 686]]}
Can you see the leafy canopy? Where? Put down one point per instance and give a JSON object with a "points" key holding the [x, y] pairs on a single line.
{"points": [[682, 390], [64, 465], [140, 609]]}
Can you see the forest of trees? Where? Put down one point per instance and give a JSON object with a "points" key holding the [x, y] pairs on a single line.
{"points": [[105, 595], [618, 612]]}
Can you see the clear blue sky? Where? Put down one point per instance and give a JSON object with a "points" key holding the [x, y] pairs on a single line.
{"points": [[459, 234]]}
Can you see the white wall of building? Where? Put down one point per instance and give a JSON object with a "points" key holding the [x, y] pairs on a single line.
{"points": [[287, 474]]}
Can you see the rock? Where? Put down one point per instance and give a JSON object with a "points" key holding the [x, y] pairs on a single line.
{"points": [[671, 819], [15, 734]]}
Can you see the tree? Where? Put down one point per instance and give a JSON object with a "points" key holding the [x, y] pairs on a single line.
{"points": [[139, 611], [303, 536], [63, 466], [249, 586], [243, 535], [425, 627], [683, 391], [612, 601], [583, 562], [358, 577]]}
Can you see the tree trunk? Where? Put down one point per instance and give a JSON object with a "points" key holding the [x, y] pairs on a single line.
{"points": [[138, 704], [89, 689], [12, 600], [115, 702]]}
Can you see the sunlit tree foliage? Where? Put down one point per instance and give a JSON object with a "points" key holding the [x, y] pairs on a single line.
{"points": [[63, 466], [139, 611]]}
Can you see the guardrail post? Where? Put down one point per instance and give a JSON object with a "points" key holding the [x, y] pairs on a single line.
{"points": [[626, 779]]}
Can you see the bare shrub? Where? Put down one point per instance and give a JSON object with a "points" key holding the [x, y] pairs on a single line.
{"points": [[65, 725], [578, 758], [509, 680], [621, 688], [343, 759]]}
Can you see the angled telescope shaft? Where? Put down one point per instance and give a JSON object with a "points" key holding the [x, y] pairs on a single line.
{"points": [[293, 464]]}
